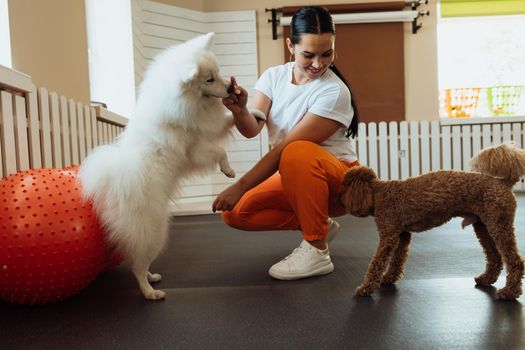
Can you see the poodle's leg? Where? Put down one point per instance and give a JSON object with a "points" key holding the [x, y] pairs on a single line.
{"points": [[376, 269], [399, 258], [494, 265], [505, 241]]}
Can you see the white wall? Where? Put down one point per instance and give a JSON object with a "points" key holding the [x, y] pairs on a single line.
{"points": [[157, 26], [5, 38]]}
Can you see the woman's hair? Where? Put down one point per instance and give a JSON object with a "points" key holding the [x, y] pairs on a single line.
{"points": [[317, 20]]}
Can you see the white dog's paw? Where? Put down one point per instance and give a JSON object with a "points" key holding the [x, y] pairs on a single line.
{"points": [[228, 172], [154, 277], [155, 294]]}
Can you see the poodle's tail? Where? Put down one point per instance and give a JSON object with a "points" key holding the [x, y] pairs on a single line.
{"points": [[505, 161]]}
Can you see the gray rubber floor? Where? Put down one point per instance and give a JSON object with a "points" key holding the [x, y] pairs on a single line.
{"points": [[219, 296]]}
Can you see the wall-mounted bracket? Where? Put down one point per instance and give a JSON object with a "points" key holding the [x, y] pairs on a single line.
{"points": [[414, 5], [274, 20]]}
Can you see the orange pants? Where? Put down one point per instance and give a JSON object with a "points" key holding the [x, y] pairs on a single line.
{"points": [[300, 196]]}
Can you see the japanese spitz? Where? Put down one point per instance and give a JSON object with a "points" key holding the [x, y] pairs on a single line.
{"points": [[177, 124]]}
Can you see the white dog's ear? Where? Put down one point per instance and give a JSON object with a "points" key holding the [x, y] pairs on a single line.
{"points": [[204, 41], [190, 74], [209, 40]]}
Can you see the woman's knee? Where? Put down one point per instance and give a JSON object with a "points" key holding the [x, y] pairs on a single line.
{"points": [[231, 218], [237, 219], [297, 154]]}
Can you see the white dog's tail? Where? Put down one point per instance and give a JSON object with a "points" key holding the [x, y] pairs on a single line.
{"points": [[109, 175], [505, 161]]}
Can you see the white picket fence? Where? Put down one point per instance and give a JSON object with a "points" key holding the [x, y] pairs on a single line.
{"points": [[401, 150], [41, 129]]}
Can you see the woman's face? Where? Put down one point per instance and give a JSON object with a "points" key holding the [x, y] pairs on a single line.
{"points": [[313, 55]]}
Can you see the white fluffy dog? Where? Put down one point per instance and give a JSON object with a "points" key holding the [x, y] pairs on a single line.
{"points": [[178, 121]]}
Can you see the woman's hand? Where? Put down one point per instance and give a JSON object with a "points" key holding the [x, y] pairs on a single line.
{"points": [[237, 100], [228, 198]]}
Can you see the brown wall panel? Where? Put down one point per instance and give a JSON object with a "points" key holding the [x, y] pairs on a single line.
{"points": [[371, 58]]}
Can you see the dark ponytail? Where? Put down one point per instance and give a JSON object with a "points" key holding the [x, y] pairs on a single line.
{"points": [[317, 20], [352, 129]]}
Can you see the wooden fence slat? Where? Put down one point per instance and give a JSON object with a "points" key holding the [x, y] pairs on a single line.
{"points": [[476, 139], [45, 128], [383, 151], [414, 149], [105, 128], [506, 133], [74, 132], [445, 148], [81, 132], [66, 137], [486, 139], [372, 146], [435, 143], [457, 164], [55, 130], [22, 144], [35, 150], [467, 146], [394, 151], [93, 126], [7, 133], [425, 146], [89, 139], [404, 150], [100, 133], [517, 134], [496, 134], [518, 130]]}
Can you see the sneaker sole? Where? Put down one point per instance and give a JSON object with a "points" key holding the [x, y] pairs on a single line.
{"points": [[322, 270]]}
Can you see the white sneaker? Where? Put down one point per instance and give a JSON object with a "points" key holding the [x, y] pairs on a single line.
{"points": [[333, 229], [304, 261]]}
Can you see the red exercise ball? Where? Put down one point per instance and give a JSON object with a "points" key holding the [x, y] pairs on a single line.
{"points": [[51, 243]]}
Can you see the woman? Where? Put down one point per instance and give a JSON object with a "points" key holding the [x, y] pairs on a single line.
{"points": [[310, 115]]}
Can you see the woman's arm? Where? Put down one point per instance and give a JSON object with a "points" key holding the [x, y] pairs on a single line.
{"points": [[311, 128], [247, 124]]}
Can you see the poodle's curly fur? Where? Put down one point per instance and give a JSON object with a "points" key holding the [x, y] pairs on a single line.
{"points": [[483, 198]]}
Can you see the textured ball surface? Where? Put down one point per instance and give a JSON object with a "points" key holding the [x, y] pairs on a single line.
{"points": [[51, 243]]}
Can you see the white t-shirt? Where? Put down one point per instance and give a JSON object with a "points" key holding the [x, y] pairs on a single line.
{"points": [[326, 97]]}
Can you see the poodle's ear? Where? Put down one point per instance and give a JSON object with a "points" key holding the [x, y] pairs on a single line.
{"points": [[359, 173], [357, 194]]}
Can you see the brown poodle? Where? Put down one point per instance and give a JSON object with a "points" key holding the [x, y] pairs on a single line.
{"points": [[400, 207]]}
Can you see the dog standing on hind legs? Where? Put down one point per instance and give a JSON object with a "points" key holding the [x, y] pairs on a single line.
{"points": [[176, 127], [483, 198]]}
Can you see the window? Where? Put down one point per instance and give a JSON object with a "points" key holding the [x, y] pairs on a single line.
{"points": [[110, 49], [481, 64], [5, 38]]}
